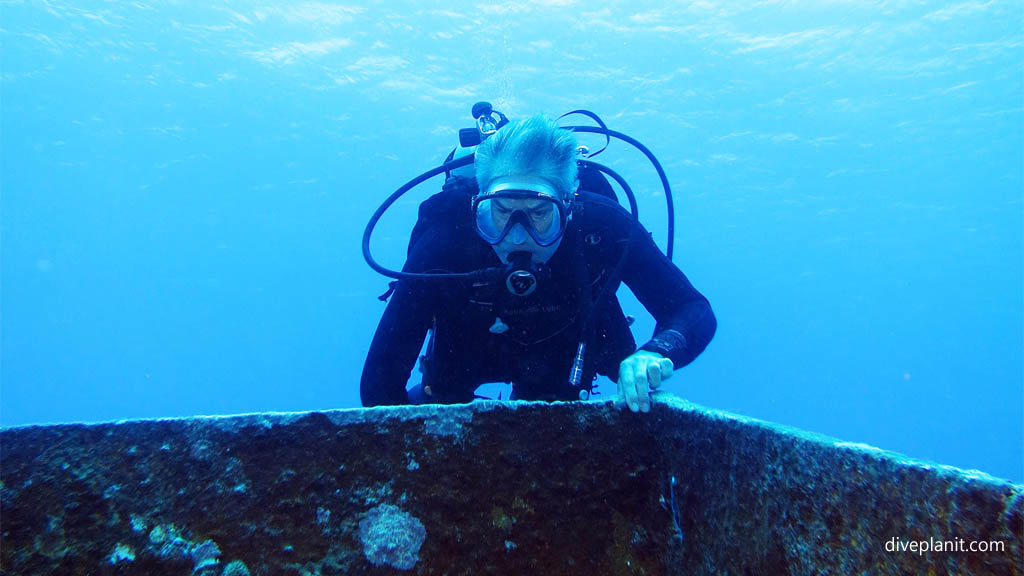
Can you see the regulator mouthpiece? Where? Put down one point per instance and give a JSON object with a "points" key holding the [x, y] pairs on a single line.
{"points": [[520, 279]]}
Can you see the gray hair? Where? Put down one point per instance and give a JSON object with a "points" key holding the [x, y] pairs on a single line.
{"points": [[535, 146]]}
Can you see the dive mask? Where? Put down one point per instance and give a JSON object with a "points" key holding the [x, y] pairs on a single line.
{"points": [[531, 203]]}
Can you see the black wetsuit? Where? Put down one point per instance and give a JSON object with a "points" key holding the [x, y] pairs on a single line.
{"points": [[544, 328]]}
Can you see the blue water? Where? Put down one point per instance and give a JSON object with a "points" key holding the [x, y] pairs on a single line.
{"points": [[185, 186]]}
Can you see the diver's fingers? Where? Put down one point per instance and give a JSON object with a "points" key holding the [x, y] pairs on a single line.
{"points": [[627, 386], [654, 375], [621, 382], [667, 368], [643, 400]]}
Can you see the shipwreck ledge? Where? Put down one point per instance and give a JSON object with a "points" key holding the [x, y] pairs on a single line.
{"points": [[491, 487]]}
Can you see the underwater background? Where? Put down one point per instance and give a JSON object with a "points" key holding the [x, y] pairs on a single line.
{"points": [[185, 187]]}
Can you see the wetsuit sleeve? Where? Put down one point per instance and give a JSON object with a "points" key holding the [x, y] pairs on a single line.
{"points": [[685, 322], [400, 334]]}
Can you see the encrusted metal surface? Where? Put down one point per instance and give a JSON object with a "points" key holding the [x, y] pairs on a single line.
{"points": [[487, 488]]}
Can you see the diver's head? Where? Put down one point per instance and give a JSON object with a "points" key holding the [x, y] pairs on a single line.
{"points": [[527, 176]]}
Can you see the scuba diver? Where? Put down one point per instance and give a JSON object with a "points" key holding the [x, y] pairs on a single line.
{"points": [[512, 270]]}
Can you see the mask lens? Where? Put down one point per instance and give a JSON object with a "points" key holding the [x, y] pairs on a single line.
{"points": [[541, 217]]}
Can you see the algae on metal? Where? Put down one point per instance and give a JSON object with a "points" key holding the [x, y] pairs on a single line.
{"points": [[489, 487]]}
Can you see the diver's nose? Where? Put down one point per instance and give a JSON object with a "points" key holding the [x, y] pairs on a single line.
{"points": [[518, 235]]}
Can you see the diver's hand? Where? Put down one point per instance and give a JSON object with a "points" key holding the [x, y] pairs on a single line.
{"points": [[639, 373]]}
